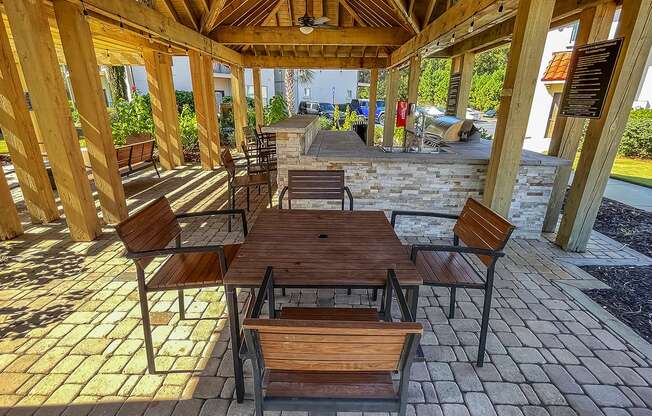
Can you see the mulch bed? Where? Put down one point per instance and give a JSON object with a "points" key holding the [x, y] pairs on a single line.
{"points": [[630, 296]]}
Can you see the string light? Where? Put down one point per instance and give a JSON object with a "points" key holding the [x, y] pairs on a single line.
{"points": [[472, 24], [500, 7], [149, 37], [85, 12]]}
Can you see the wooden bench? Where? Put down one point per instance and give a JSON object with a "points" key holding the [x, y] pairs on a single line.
{"points": [[485, 234], [330, 359], [136, 154], [147, 234], [317, 185]]}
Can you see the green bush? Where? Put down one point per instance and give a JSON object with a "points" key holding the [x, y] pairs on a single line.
{"points": [[277, 110], [637, 138], [185, 98], [188, 129], [131, 117], [325, 123]]}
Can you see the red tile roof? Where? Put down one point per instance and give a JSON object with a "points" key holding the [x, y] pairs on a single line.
{"points": [[557, 67]]}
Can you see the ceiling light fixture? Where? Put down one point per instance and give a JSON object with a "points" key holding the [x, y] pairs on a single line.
{"points": [[306, 30]]}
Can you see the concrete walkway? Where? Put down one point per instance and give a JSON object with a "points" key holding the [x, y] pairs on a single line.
{"points": [[628, 193]]}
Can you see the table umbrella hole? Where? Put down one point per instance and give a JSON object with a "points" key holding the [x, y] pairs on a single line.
{"points": [[323, 235]]}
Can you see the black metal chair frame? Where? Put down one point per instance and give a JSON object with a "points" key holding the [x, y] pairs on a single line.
{"points": [[251, 350], [488, 279], [143, 290], [285, 189]]}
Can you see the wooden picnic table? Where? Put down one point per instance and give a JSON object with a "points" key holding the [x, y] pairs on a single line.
{"points": [[317, 249]]}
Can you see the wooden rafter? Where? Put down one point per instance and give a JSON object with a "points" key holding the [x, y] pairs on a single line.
{"points": [[408, 19], [187, 12], [167, 8], [429, 10], [352, 12], [208, 19]]}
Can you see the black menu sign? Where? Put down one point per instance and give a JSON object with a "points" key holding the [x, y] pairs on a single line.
{"points": [[453, 93], [589, 74]]}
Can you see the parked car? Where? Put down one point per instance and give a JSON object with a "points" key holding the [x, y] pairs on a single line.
{"points": [[328, 109], [490, 113], [361, 107], [309, 107], [472, 114]]}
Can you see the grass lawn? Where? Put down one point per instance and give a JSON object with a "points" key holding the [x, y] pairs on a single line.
{"points": [[638, 171]]}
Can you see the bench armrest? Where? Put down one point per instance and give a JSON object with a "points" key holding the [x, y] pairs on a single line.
{"points": [[280, 197], [422, 214], [240, 212], [348, 192], [455, 249]]}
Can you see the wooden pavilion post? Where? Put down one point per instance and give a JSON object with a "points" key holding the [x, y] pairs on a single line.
{"points": [[413, 86], [530, 30], [604, 134], [211, 111], [10, 225], [373, 97], [595, 23], [155, 63], [258, 97], [170, 107], [391, 98], [463, 65], [201, 94], [78, 49], [20, 135], [35, 49], [239, 102]]}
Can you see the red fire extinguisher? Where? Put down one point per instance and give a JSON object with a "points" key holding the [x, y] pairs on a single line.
{"points": [[401, 113]]}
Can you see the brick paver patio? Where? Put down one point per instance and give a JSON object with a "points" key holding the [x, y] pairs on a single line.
{"points": [[71, 341]]}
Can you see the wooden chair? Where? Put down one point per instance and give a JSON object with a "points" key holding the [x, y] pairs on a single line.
{"points": [[136, 155], [247, 180], [330, 359], [316, 184], [148, 233], [484, 233]]}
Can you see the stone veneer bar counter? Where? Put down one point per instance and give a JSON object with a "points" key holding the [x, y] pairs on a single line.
{"points": [[412, 181]]}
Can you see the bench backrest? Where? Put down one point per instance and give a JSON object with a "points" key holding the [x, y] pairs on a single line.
{"points": [[316, 184], [300, 345], [481, 227], [133, 153], [150, 228]]}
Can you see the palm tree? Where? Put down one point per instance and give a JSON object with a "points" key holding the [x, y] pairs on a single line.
{"points": [[303, 75]]}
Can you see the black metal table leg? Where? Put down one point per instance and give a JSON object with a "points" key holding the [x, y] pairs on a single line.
{"points": [[412, 298], [234, 325]]}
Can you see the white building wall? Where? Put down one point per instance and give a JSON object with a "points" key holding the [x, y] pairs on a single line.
{"points": [[557, 40], [329, 86], [266, 83]]}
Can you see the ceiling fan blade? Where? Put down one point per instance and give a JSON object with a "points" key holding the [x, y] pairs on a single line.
{"points": [[322, 20], [325, 26]]}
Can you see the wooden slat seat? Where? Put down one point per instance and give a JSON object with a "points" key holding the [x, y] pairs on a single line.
{"points": [[447, 269], [330, 314], [147, 234], [484, 234], [330, 359], [191, 270], [251, 179], [329, 385]]}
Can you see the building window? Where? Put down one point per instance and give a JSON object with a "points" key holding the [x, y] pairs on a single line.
{"points": [[349, 94], [306, 92], [575, 28], [250, 91]]}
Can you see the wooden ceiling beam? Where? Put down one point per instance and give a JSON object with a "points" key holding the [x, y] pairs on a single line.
{"points": [[462, 12], [138, 17], [313, 63], [190, 16], [360, 36]]}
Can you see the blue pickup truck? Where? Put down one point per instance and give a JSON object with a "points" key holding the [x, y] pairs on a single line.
{"points": [[362, 108]]}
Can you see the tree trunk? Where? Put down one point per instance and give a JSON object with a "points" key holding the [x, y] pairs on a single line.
{"points": [[117, 82], [289, 90]]}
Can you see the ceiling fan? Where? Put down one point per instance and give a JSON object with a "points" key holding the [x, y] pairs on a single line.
{"points": [[308, 23]]}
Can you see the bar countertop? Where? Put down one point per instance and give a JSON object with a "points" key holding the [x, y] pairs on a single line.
{"points": [[294, 124], [346, 145]]}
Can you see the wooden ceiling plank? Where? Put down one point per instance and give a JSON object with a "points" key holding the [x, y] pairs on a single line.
{"points": [[353, 13], [428, 15], [167, 6], [187, 11]]}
